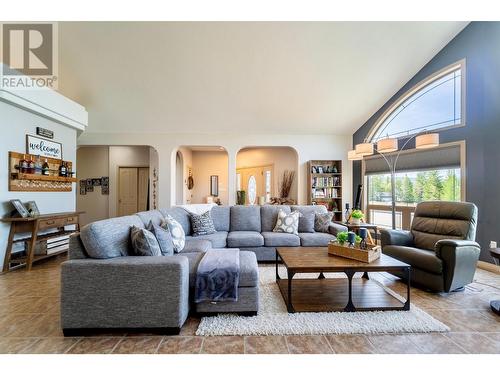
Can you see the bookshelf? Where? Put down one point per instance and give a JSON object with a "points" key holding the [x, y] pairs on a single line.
{"points": [[325, 185]]}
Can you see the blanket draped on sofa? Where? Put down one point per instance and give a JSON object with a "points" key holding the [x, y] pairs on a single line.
{"points": [[218, 276]]}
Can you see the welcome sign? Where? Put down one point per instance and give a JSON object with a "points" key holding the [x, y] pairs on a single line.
{"points": [[39, 146]]}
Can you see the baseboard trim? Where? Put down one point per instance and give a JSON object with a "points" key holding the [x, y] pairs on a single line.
{"points": [[488, 267]]}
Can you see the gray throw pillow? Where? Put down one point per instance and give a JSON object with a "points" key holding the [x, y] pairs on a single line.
{"points": [[202, 224], [287, 223], [306, 222], [163, 237], [176, 231], [322, 221], [144, 242]]}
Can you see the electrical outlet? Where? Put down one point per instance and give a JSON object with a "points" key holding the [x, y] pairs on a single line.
{"points": [[493, 244]]}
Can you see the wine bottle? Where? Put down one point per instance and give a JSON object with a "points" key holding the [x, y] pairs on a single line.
{"points": [[45, 168], [23, 165], [62, 169], [38, 165], [31, 166]]}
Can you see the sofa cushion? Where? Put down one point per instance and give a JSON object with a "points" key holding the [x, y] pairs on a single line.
{"points": [[163, 237], [109, 238], [287, 223], [202, 224], [280, 239], [195, 245], [181, 216], [423, 259], [245, 218], [249, 270], [218, 239], [315, 239], [176, 231], [153, 215], [322, 221], [306, 220], [244, 239], [269, 215], [144, 242], [220, 216]]}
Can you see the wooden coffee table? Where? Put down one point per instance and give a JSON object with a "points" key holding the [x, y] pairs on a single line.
{"points": [[336, 294]]}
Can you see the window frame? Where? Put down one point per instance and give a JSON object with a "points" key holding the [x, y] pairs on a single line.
{"points": [[407, 210], [461, 64]]}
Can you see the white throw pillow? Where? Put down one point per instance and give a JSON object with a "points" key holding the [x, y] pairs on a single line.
{"points": [[176, 231], [287, 223]]}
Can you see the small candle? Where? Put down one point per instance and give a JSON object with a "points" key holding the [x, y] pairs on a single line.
{"points": [[351, 238], [363, 233]]}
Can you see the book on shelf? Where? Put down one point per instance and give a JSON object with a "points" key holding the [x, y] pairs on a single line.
{"points": [[58, 238], [52, 250], [319, 182], [326, 192]]}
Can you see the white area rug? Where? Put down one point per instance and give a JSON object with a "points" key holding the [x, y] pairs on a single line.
{"points": [[273, 318]]}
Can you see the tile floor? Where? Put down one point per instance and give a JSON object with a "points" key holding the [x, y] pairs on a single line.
{"points": [[29, 323]]}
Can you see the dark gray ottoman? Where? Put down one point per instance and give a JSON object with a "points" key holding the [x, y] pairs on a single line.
{"points": [[248, 291]]}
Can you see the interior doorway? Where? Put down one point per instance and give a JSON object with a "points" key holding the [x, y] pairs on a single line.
{"points": [[179, 179], [133, 190], [257, 182]]}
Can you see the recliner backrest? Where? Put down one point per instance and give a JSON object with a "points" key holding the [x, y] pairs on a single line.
{"points": [[438, 220]]}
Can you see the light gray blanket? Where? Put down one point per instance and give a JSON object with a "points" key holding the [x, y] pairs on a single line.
{"points": [[218, 276]]}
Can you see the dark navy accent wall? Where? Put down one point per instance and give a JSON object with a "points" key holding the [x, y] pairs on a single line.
{"points": [[479, 44]]}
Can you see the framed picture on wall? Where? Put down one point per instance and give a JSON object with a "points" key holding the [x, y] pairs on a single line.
{"points": [[32, 208], [43, 147], [83, 190]]}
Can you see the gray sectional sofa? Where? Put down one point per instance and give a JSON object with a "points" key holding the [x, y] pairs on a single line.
{"points": [[102, 287]]}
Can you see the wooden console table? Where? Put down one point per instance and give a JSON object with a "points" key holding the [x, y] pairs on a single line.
{"points": [[34, 225]]}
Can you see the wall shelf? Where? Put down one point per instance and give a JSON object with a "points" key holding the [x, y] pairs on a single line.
{"points": [[36, 182]]}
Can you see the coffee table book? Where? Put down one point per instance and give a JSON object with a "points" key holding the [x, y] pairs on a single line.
{"points": [[371, 253]]}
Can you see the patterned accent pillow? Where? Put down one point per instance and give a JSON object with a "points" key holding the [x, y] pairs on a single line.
{"points": [[176, 231], [322, 221], [202, 224], [163, 237], [144, 242], [287, 223]]}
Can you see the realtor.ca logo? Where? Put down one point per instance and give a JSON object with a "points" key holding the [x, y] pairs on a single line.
{"points": [[29, 55]]}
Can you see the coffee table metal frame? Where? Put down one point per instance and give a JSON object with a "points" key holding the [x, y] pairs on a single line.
{"points": [[350, 272]]}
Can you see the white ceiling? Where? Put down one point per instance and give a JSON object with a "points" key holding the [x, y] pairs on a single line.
{"points": [[277, 77]]}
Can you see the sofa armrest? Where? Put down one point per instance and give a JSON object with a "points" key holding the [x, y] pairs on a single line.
{"points": [[125, 292], [459, 261], [334, 228], [396, 237]]}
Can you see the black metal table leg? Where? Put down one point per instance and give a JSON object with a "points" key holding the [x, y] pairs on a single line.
{"points": [[289, 304], [321, 276], [350, 306], [365, 276], [407, 303], [277, 273]]}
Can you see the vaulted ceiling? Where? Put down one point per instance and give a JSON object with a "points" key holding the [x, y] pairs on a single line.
{"points": [[273, 77]]}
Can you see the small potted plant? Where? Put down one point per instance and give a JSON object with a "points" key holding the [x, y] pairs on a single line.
{"points": [[356, 216], [342, 238]]}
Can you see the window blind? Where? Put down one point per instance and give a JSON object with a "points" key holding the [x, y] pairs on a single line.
{"points": [[434, 158]]}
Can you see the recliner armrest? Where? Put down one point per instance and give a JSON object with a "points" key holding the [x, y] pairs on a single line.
{"points": [[444, 246], [459, 261], [396, 237], [334, 228]]}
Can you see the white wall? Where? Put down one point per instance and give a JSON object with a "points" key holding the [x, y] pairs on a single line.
{"points": [[15, 124], [105, 161], [326, 146], [206, 164], [93, 162], [282, 158]]}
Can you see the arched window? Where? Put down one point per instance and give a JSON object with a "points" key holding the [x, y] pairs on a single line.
{"points": [[435, 103]]}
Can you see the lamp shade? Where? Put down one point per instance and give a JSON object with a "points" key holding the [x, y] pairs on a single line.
{"points": [[364, 149], [387, 145], [351, 155], [427, 140]]}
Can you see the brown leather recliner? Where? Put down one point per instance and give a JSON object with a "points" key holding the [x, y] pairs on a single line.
{"points": [[440, 246]]}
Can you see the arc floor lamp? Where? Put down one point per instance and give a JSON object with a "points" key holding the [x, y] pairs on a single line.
{"points": [[389, 149]]}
